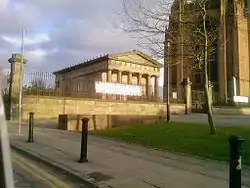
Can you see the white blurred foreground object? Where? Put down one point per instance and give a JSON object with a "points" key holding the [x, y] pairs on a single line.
{"points": [[6, 180], [118, 89], [241, 99]]}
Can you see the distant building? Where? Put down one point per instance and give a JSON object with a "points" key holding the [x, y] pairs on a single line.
{"points": [[119, 75]]}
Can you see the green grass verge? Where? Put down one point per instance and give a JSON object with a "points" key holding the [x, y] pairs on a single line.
{"points": [[182, 137]]}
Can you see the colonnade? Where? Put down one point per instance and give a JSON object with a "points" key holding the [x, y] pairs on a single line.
{"points": [[141, 79]]}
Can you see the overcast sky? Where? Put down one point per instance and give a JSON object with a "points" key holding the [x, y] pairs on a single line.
{"points": [[61, 32]]}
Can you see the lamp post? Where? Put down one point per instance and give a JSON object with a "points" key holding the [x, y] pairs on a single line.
{"points": [[21, 84], [167, 66]]}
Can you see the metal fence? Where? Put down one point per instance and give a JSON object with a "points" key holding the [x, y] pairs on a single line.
{"points": [[45, 84], [199, 96], [43, 80]]}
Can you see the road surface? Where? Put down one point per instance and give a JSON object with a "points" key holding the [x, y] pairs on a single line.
{"points": [[31, 174], [219, 120]]}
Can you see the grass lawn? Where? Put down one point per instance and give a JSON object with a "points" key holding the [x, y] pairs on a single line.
{"points": [[182, 137]]}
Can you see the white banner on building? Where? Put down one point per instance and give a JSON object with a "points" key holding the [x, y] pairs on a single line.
{"points": [[241, 99], [118, 89]]}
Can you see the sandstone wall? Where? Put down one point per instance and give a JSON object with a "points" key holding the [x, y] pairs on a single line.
{"points": [[73, 122], [51, 107]]}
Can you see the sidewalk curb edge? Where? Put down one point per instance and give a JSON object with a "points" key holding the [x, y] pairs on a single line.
{"points": [[89, 182]]}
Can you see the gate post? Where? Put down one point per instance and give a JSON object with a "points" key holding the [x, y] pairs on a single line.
{"points": [[14, 85], [186, 83]]}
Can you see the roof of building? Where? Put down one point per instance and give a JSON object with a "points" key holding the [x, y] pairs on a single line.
{"points": [[105, 58]]}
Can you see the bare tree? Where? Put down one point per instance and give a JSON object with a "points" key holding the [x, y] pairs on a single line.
{"points": [[148, 19], [187, 26], [193, 33], [38, 84], [200, 45]]}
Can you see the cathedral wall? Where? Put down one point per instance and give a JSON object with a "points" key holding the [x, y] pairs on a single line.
{"points": [[242, 53]]}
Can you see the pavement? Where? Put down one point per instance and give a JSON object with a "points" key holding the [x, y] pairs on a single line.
{"points": [[119, 164], [31, 174]]}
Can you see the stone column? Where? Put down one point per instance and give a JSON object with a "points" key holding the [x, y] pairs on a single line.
{"points": [[241, 50], [222, 54], [109, 76], [129, 78], [119, 80], [156, 93], [140, 79], [14, 87], [149, 87], [119, 77], [109, 79], [186, 83]]}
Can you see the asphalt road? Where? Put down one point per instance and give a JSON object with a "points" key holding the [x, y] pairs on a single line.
{"points": [[219, 120], [31, 174]]}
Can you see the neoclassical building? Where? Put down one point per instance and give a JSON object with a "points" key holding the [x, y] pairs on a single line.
{"points": [[128, 68], [231, 57]]}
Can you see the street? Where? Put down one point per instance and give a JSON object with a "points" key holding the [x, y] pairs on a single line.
{"points": [[31, 174], [219, 120]]}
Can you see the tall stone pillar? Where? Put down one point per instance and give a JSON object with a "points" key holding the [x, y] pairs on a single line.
{"points": [[15, 76], [109, 76], [186, 83], [241, 50], [139, 79], [156, 88], [129, 78], [149, 87], [119, 77], [222, 53]]}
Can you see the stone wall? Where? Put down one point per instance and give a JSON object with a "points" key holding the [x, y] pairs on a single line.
{"points": [[72, 122], [51, 107]]}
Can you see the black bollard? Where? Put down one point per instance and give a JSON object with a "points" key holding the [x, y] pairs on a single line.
{"points": [[31, 127], [84, 141], [168, 113], [235, 161]]}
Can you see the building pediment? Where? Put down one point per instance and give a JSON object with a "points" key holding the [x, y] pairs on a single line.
{"points": [[136, 57], [133, 57]]}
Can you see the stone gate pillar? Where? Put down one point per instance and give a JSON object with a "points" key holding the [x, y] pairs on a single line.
{"points": [[186, 83], [15, 76], [149, 87], [156, 89]]}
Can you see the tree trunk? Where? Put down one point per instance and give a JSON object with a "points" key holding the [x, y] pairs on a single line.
{"points": [[206, 83], [209, 106]]}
